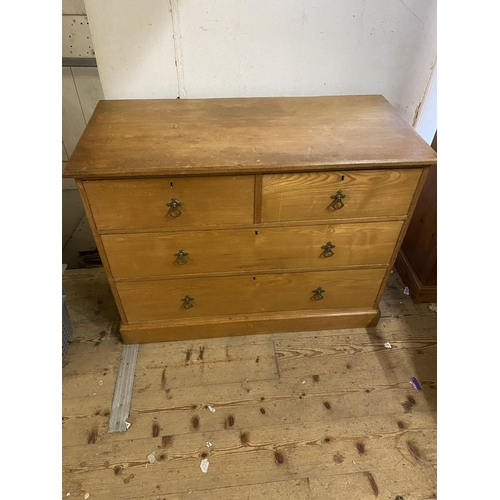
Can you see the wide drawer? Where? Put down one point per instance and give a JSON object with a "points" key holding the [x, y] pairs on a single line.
{"points": [[153, 203], [338, 195], [141, 255], [216, 296]]}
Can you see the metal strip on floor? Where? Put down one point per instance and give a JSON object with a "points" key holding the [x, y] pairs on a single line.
{"points": [[122, 398]]}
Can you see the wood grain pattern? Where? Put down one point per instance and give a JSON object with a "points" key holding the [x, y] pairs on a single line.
{"points": [[147, 255], [100, 248], [142, 203], [271, 438], [419, 293], [420, 243], [421, 181], [400, 483], [294, 400], [248, 324], [162, 300], [307, 196], [285, 403], [255, 179], [417, 260], [257, 218], [271, 454], [249, 135]]}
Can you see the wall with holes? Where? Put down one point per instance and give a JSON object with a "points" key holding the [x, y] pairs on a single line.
{"points": [[76, 38], [81, 91], [222, 48]]}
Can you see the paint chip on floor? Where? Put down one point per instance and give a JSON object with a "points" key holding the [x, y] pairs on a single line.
{"points": [[204, 465]]}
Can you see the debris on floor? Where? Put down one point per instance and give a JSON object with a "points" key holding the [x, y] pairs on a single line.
{"points": [[388, 345], [86, 495], [89, 259], [415, 384], [406, 291], [204, 465], [152, 457], [208, 444], [433, 307], [127, 425], [211, 409]]}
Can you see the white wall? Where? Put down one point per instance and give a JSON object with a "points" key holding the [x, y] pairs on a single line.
{"points": [[426, 122], [136, 50], [229, 48]]}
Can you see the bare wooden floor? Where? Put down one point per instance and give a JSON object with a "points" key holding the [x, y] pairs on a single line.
{"points": [[316, 415]]}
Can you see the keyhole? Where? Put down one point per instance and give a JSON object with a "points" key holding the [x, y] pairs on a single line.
{"points": [[171, 184], [256, 232], [342, 178]]}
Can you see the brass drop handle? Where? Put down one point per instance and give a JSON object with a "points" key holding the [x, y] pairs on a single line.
{"points": [[337, 202], [318, 294], [181, 260], [187, 302], [173, 211], [327, 250]]}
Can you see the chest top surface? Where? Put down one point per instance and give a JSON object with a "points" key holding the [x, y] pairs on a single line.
{"points": [[149, 138]]}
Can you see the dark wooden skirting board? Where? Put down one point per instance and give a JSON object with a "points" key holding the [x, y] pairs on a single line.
{"points": [[417, 260], [418, 292]]}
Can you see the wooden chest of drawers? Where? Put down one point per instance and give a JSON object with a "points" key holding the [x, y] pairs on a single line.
{"points": [[239, 216]]}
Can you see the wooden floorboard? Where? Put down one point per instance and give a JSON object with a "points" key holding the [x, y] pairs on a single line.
{"points": [[308, 415]]}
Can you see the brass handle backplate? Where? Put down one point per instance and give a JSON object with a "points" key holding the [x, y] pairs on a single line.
{"points": [[181, 260], [337, 202], [318, 293], [327, 250], [187, 302], [174, 211]]}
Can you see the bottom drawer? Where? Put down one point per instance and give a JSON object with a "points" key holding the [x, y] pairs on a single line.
{"points": [[220, 296]]}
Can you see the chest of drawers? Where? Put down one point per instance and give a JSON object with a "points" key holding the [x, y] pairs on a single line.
{"points": [[240, 216]]}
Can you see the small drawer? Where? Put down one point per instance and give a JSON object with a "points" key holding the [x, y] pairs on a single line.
{"points": [[171, 202], [338, 195], [221, 296], [148, 255]]}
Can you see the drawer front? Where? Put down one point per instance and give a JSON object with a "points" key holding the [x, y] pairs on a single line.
{"points": [[136, 256], [142, 203], [337, 195], [168, 299]]}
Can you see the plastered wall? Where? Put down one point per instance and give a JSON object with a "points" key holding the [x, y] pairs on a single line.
{"points": [[238, 48]]}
